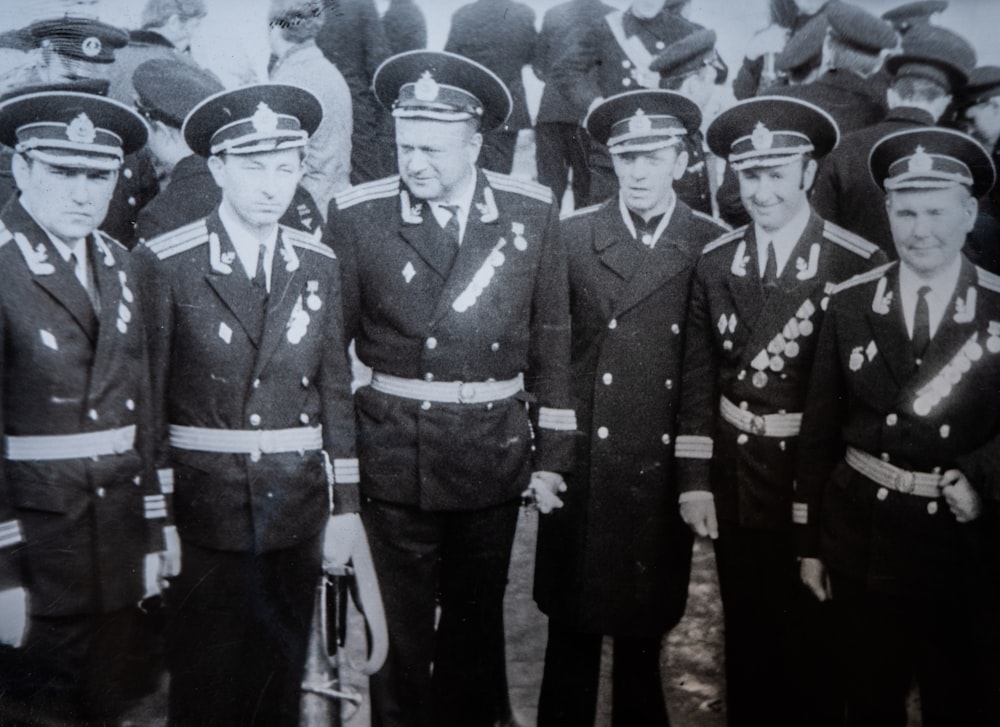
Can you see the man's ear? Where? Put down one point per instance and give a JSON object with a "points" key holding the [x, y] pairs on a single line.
{"points": [[20, 167], [217, 166], [680, 165]]}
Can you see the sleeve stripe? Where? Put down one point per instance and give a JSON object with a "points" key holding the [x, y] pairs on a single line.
{"points": [[563, 420], [166, 478], [156, 514], [800, 513], [692, 447], [346, 471], [10, 533]]}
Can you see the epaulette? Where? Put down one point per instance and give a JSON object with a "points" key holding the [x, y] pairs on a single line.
{"points": [[182, 239], [109, 240], [986, 279], [580, 212], [848, 240], [865, 277], [724, 240], [306, 241], [708, 218], [378, 189], [519, 186]]}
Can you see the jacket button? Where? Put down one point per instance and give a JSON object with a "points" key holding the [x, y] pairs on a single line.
{"points": [[127, 172], [495, 346], [131, 201], [945, 431], [432, 343], [255, 420], [675, 329], [92, 415], [741, 375], [100, 492], [891, 419], [932, 508], [626, 82], [426, 406], [256, 383], [428, 376], [665, 439], [304, 418], [782, 445], [602, 433], [884, 456], [130, 404], [669, 383], [607, 379], [613, 324], [742, 439], [744, 406], [305, 381], [882, 493]]}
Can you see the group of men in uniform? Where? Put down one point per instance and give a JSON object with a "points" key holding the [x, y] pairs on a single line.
{"points": [[180, 418]]}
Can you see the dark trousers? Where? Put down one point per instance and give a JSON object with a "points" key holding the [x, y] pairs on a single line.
{"points": [[457, 560], [780, 642], [74, 668], [572, 671], [559, 148], [890, 639], [238, 632]]}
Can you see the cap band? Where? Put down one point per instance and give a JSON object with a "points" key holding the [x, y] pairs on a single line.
{"points": [[264, 131], [642, 132], [766, 148], [921, 170], [428, 99], [77, 143]]}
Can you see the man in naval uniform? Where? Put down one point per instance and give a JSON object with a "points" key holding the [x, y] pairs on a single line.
{"points": [[899, 446], [82, 517], [251, 388], [758, 296], [455, 293], [616, 558]]}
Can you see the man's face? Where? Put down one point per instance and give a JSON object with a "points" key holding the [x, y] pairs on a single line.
{"points": [[929, 226], [647, 178], [258, 187], [774, 195], [984, 119], [70, 203], [435, 157]]}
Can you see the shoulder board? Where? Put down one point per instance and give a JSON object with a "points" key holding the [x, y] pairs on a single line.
{"points": [[306, 241], [109, 240], [861, 278], [180, 240], [736, 234], [519, 186], [848, 240], [714, 220], [986, 279], [378, 189], [580, 212]]}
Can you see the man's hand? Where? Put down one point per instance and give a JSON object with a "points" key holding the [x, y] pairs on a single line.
{"points": [[700, 517], [771, 39], [13, 616], [152, 583], [814, 576], [170, 559], [963, 501], [338, 540], [544, 490]]}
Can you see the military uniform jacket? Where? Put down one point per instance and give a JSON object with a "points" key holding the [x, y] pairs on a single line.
{"points": [[500, 309], [869, 393], [758, 353], [85, 524], [192, 194], [853, 102], [216, 364], [844, 192], [615, 559]]}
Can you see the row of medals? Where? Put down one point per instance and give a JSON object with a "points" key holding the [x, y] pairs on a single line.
{"points": [[942, 384], [783, 343]]}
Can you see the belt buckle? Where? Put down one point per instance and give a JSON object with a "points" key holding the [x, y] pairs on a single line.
{"points": [[121, 442], [266, 441], [466, 393], [758, 425], [905, 482]]}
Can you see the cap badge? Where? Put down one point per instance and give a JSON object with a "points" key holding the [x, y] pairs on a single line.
{"points": [[264, 120], [921, 162], [762, 137], [91, 46], [426, 88], [81, 130], [640, 123]]}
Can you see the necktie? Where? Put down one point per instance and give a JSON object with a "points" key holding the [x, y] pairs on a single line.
{"points": [[82, 272], [921, 323], [452, 229], [770, 279], [260, 276]]}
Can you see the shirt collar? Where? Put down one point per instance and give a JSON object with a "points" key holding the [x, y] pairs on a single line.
{"points": [[461, 198], [942, 285], [784, 240], [246, 244], [658, 232]]}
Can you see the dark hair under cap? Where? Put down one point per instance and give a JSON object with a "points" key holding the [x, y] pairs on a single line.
{"points": [[188, 86]]}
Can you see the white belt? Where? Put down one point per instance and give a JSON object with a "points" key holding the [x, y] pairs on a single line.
{"points": [[766, 425], [447, 392], [246, 441], [70, 446], [921, 484]]}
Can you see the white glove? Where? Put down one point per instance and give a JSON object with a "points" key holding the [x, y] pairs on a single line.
{"points": [[151, 576], [338, 540], [544, 489], [170, 559], [13, 616]]}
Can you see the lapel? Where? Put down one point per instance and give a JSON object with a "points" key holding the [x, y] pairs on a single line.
{"points": [[663, 262], [745, 290], [484, 229], [889, 329], [285, 271], [421, 231], [227, 278], [117, 314], [52, 274], [613, 242], [950, 336]]}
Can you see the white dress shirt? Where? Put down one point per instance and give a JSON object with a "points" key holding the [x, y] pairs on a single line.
{"points": [[654, 238], [942, 288], [247, 245], [784, 240], [462, 198]]}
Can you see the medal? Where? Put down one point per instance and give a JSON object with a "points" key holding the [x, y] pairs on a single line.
{"points": [[993, 344], [122, 326], [922, 407], [777, 363], [519, 242], [124, 313], [760, 379], [857, 359], [806, 328], [777, 345], [973, 350], [791, 349], [313, 301]]}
